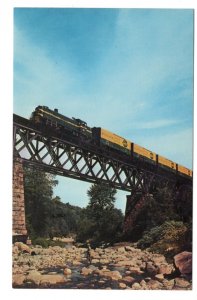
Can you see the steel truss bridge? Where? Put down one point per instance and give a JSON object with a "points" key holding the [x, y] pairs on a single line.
{"points": [[45, 149]]}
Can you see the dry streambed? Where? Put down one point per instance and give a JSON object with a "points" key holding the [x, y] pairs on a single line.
{"points": [[118, 267]]}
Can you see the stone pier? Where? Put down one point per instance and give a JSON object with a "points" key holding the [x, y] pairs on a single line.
{"points": [[135, 204], [18, 207]]}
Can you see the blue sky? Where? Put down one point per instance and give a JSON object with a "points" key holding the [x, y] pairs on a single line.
{"points": [[127, 70]]}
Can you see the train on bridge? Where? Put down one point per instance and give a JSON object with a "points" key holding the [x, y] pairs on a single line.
{"points": [[43, 116]]}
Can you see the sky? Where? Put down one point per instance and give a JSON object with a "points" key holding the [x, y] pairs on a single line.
{"points": [[127, 70]]}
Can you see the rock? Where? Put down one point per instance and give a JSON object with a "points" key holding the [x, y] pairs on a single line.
{"points": [[67, 271], [129, 248], [34, 276], [122, 285], [151, 268], [15, 250], [128, 279], [92, 267], [18, 279], [122, 263], [165, 269], [183, 261], [104, 261], [136, 286], [159, 277], [158, 259], [76, 263], [85, 271], [181, 283], [95, 261], [23, 247], [143, 284], [114, 275], [154, 285], [168, 284], [136, 270], [121, 249], [51, 279]]}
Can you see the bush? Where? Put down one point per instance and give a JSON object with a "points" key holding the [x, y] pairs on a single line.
{"points": [[168, 238], [45, 243]]}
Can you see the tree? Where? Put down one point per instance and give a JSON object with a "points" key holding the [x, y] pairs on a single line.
{"points": [[102, 198], [101, 220], [47, 216], [38, 188]]}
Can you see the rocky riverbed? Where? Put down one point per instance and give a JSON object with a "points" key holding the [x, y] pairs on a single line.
{"points": [[118, 267]]}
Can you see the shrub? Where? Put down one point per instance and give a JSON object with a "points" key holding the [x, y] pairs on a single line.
{"points": [[45, 243], [168, 238]]}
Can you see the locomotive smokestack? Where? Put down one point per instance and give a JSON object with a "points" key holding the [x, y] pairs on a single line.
{"points": [[56, 110]]}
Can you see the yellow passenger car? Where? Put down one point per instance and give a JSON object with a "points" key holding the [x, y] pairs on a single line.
{"points": [[185, 170], [115, 139], [144, 152], [166, 162]]}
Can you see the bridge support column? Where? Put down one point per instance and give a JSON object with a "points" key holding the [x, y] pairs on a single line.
{"points": [[135, 203], [18, 206]]}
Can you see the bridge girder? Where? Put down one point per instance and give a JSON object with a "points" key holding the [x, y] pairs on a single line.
{"points": [[79, 160]]}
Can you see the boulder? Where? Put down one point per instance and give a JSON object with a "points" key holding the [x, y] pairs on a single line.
{"points": [[85, 271], [181, 283], [123, 263], [136, 286], [165, 269], [154, 285], [18, 279], [51, 279], [23, 247], [121, 249], [136, 270], [114, 275], [143, 284], [158, 259], [151, 269], [122, 285], [34, 276], [128, 279], [159, 277], [67, 271], [95, 261], [104, 261], [168, 284], [129, 248], [183, 262]]}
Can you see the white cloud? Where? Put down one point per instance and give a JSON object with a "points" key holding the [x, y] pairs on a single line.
{"points": [[38, 79], [155, 124]]}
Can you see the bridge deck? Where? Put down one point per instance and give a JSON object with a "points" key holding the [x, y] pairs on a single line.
{"points": [[44, 148]]}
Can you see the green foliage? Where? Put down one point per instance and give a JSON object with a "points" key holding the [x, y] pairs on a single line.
{"points": [[168, 238], [102, 198], [100, 221], [163, 225], [45, 243], [47, 216], [63, 218], [38, 194], [161, 206]]}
